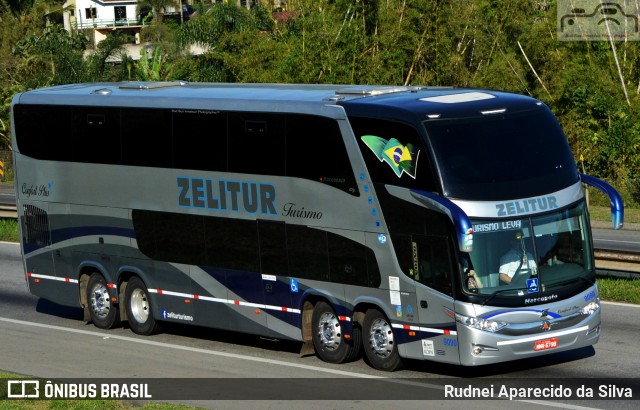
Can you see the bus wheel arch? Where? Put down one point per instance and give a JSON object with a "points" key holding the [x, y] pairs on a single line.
{"points": [[380, 343], [138, 306], [123, 280], [102, 309], [329, 341]]}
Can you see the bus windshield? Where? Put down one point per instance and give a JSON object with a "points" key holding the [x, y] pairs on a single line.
{"points": [[526, 256], [502, 156]]}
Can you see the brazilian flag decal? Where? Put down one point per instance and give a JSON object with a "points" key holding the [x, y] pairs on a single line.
{"points": [[401, 158]]}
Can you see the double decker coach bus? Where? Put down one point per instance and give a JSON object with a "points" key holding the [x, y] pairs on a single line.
{"points": [[349, 218]]}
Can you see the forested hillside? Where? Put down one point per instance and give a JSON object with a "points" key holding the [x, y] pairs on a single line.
{"points": [[592, 86]]}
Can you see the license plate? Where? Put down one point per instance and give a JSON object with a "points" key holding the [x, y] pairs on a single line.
{"points": [[546, 344]]}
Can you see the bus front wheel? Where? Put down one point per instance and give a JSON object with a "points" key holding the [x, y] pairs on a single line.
{"points": [[329, 339], [380, 344], [138, 305], [103, 312]]}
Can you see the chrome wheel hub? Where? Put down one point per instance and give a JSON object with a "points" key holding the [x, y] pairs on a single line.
{"points": [[329, 331]]}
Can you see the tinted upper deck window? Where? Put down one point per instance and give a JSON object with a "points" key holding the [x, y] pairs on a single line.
{"points": [[316, 151], [394, 153], [502, 156], [200, 140], [256, 143], [95, 133], [146, 137], [42, 131]]}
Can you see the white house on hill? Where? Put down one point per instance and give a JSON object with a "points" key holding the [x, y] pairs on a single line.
{"points": [[103, 17]]}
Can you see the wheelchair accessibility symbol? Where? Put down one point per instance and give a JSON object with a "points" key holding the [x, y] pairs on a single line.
{"points": [[532, 285], [293, 284]]}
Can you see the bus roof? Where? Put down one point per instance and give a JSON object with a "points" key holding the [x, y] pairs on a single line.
{"points": [[418, 102]]}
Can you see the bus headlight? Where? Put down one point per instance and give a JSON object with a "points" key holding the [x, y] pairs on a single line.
{"points": [[480, 324], [591, 308]]}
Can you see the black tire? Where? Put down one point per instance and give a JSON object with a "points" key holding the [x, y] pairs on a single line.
{"points": [[328, 337], [103, 312], [379, 342], [138, 307]]}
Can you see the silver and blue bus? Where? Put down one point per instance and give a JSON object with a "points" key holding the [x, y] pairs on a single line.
{"points": [[426, 223]]}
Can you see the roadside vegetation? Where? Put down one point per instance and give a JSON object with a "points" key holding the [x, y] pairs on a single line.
{"points": [[9, 230], [593, 87], [625, 290]]}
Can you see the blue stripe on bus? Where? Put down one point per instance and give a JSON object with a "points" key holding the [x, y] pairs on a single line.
{"points": [[64, 234], [515, 311], [237, 285], [59, 235]]}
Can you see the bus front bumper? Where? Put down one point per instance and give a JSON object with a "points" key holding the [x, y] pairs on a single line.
{"points": [[479, 347]]}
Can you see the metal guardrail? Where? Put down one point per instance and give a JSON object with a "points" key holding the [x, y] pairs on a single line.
{"points": [[8, 211]]}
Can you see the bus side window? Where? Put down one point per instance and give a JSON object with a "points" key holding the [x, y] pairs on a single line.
{"points": [[200, 140], [273, 248], [256, 143], [95, 135], [308, 253], [42, 131], [232, 244], [347, 261], [405, 134], [316, 151], [432, 256], [146, 137], [425, 259]]}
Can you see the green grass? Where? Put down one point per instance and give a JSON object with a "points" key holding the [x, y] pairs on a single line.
{"points": [[9, 230], [620, 289], [603, 213]]}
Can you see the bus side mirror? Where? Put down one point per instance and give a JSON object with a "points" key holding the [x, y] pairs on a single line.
{"points": [[461, 222], [617, 205]]}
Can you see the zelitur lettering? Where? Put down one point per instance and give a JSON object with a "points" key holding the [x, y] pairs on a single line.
{"points": [[525, 206], [222, 195]]}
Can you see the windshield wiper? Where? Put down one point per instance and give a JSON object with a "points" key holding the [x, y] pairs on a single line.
{"points": [[565, 282], [494, 294]]}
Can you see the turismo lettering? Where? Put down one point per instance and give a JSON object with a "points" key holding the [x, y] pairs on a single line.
{"points": [[526, 206], [224, 195], [290, 210]]}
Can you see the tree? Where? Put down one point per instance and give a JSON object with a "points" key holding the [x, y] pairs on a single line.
{"points": [[154, 67], [159, 7], [109, 48], [52, 57]]}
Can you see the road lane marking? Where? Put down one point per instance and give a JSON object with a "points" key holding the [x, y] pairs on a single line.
{"points": [[622, 304], [614, 240], [263, 360], [192, 349]]}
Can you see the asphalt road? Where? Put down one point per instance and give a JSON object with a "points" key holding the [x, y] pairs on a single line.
{"points": [[626, 239], [41, 339]]}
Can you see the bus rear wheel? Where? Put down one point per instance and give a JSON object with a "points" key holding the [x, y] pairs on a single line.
{"points": [[329, 339], [380, 344], [102, 311], [138, 306]]}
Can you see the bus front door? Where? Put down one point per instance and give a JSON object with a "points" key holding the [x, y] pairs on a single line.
{"points": [[433, 257]]}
